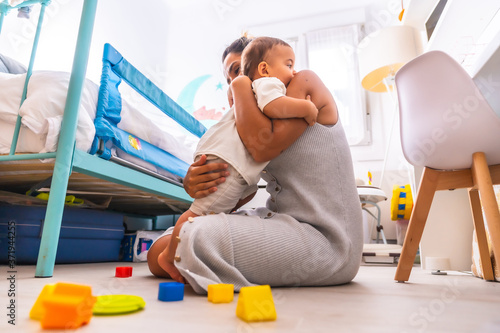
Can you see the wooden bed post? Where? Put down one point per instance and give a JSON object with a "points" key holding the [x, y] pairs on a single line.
{"points": [[66, 145]]}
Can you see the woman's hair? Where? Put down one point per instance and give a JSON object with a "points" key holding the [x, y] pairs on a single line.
{"points": [[237, 46], [256, 52]]}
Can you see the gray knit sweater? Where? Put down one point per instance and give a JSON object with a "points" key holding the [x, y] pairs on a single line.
{"points": [[310, 233]]}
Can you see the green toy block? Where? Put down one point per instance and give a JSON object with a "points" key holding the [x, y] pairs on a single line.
{"points": [[256, 304], [220, 293]]}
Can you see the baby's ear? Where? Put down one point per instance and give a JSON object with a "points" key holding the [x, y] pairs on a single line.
{"points": [[263, 69]]}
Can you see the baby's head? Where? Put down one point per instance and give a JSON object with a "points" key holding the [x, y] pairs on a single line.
{"points": [[268, 56]]}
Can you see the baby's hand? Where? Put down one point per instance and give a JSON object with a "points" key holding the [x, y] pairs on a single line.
{"points": [[312, 112]]}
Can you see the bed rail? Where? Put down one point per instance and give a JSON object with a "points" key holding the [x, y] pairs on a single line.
{"points": [[115, 69]]}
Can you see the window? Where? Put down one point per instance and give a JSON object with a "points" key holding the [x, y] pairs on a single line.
{"points": [[331, 53]]}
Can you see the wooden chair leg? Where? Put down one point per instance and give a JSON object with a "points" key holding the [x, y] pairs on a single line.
{"points": [[421, 209], [482, 242], [482, 180]]}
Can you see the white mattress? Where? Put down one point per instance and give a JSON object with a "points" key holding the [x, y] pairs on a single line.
{"points": [[44, 106]]}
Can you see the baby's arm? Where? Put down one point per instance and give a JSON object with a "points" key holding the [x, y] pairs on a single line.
{"points": [[289, 107]]}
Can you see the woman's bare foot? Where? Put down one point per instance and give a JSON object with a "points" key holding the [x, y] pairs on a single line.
{"points": [[154, 252], [167, 264]]}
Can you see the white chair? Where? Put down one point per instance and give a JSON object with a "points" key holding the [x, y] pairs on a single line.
{"points": [[448, 128]]}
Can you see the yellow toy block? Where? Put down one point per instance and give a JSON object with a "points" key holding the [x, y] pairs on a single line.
{"points": [[220, 293], [38, 310], [256, 304], [63, 305]]}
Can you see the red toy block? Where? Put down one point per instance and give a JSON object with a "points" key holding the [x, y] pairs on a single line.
{"points": [[123, 272]]}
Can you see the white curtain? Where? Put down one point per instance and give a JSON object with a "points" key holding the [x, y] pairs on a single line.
{"points": [[332, 55]]}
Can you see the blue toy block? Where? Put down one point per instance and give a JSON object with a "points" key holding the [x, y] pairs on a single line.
{"points": [[171, 291]]}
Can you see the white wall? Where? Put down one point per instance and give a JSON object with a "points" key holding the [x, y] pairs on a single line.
{"points": [[174, 42], [198, 35], [138, 32]]}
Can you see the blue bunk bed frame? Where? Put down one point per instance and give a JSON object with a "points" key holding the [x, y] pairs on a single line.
{"points": [[67, 158]]}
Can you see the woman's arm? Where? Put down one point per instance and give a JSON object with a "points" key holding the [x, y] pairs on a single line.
{"points": [[307, 83], [264, 138]]}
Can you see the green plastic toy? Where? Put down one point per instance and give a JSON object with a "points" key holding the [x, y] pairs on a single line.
{"points": [[107, 305]]}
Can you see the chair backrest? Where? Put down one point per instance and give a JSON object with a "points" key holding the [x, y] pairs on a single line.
{"points": [[444, 117]]}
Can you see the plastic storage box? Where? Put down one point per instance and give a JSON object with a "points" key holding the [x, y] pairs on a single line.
{"points": [[86, 235]]}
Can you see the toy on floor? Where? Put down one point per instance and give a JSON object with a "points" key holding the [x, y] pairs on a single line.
{"points": [[117, 304], [171, 291], [70, 200], [401, 202], [123, 272], [63, 306], [220, 293], [256, 304]]}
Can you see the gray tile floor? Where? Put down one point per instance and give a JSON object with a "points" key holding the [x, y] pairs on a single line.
{"points": [[373, 302]]}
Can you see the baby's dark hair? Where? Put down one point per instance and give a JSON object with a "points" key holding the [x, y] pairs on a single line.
{"points": [[237, 46], [256, 52]]}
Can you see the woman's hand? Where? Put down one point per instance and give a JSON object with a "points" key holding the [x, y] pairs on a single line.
{"points": [[202, 179]]}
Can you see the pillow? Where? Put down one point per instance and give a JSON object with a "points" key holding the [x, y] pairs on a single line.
{"points": [[11, 90], [27, 142], [44, 106], [9, 65], [3, 68]]}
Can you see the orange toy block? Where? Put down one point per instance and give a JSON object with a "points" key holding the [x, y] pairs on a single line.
{"points": [[256, 304], [220, 293], [63, 306]]}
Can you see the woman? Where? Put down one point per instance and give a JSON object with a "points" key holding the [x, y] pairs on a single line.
{"points": [[310, 233]]}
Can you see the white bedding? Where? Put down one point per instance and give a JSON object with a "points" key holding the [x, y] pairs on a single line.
{"points": [[44, 106]]}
